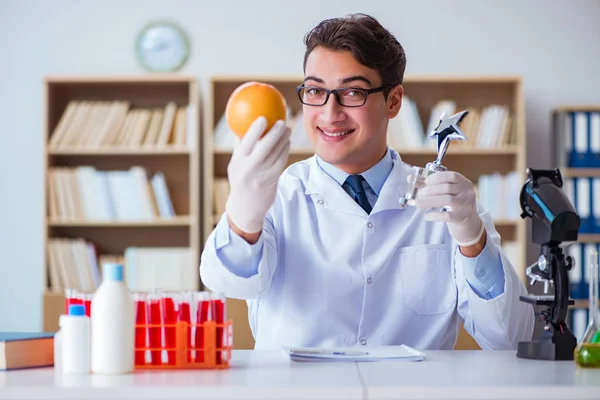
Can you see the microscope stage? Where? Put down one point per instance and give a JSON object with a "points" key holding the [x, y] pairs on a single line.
{"points": [[542, 300]]}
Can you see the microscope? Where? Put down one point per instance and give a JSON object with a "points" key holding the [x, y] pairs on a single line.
{"points": [[554, 221]]}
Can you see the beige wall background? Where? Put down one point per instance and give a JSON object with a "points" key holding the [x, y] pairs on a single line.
{"points": [[552, 44]]}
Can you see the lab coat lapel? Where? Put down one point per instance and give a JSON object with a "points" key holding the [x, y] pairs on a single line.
{"points": [[324, 188], [328, 193], [394, 186]]}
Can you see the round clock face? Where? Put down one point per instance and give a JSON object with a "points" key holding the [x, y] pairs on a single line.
{"points": [[162, 47]]}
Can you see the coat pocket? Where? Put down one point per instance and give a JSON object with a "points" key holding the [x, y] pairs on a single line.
{"points": [[426, 271]]}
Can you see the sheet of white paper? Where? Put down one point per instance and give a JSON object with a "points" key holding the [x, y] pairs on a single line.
{"points": [[354, 354]]}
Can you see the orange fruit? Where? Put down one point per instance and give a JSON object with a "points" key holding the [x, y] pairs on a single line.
{"points": [[251, 100]]}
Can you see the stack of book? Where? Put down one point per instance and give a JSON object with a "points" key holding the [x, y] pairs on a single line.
{"points": [[26, 350], [84, 193], [98, 124]]}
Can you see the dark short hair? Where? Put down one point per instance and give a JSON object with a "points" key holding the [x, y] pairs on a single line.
{"points": [[369, 42]]}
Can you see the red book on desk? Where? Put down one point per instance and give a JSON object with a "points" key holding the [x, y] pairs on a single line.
{"points": [[26, 350]]}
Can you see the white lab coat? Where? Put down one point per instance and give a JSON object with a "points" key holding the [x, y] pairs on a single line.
{"points": [[331, 275]]}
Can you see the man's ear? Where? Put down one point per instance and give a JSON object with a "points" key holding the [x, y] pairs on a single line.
{"points": [[394, 101]]}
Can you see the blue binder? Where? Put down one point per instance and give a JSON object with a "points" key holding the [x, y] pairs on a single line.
{"points": [[580, 155], [595, 203], [582, 188], [594, 132]]}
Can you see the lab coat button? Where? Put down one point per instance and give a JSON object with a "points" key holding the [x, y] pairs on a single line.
{"points": [[369, 280], [363, 342], [320, 202], [480, 273], [370, 224]]}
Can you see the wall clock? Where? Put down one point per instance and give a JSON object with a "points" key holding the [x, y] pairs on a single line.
{"points": [[162, 47]]}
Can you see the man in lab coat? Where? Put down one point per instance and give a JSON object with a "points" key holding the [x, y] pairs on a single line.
{"points": [[324, 253]]}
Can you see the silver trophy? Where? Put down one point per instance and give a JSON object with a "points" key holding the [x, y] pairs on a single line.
{"points": [[447, 130]]}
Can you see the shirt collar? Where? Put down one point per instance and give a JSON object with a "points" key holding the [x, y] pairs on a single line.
{"points": [[375, 176]]}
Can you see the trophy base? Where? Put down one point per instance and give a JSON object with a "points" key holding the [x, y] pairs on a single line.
{"points": [[404, 201], [417, 182], [408, 202]]}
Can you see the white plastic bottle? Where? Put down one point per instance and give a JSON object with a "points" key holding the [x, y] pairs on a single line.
{"points": [[74, 341], [113, 324]]}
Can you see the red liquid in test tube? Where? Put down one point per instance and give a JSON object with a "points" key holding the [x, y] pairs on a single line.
{"points": [[185, 315], [154, 314], [218, 312], [202, 315], [141, 329], [169, 322], [87, 301]]}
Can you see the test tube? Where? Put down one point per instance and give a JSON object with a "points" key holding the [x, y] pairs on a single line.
{"points": [[202, 301], [141, 329], [218, 312], [154, 315], [170, 307], [185, 315], [87, 302]]}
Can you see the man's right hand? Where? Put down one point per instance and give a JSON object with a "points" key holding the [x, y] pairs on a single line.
{"points": [[254, 170]]}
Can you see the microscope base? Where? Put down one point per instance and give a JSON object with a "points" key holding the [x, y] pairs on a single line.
{"points": [[555, 347]]}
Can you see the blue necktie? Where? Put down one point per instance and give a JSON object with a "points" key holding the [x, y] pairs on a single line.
{"points": [[355, 183]]}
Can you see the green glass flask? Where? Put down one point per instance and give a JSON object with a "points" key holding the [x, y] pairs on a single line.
{"points": [[587, 352]]}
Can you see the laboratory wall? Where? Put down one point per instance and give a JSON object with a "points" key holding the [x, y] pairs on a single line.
{"points": [[552, 45]]}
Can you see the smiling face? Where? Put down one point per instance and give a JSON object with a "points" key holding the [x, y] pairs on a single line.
{"points": [[351, 138]]}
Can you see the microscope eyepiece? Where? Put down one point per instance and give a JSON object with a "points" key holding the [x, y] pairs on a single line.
{"points": [[542, 199]]}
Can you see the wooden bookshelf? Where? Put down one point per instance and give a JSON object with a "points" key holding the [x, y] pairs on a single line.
{"points": [[560, 160], [120, 152], [182, 220], [563, 122], [588, 238], [580, 172], [178, 159], [426, 91], [581, 303]]}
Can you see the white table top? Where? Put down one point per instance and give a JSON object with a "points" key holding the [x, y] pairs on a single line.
{"points": [[270, 375], [252, 375], [479, 374]]}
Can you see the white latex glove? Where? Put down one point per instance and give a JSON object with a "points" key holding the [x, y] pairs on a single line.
{"points": [[448, 188], [255, 166]]}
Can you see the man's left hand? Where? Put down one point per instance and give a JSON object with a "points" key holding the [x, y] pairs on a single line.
{"points": [[451, 189]]}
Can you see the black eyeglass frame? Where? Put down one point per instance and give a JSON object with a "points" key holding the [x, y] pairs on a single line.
{"points": [[337, 96]]}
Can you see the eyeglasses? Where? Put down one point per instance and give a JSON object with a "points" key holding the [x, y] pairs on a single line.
{"points": [[346, 97]]}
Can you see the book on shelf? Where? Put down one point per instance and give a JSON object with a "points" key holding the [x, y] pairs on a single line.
{"points": [[26, 350], [577, 139], [74, 263], [109, 124], [577, 319], [495, 192], [488, 127], [405, 131], [164, 268], [579, 276], [86, 194]]}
